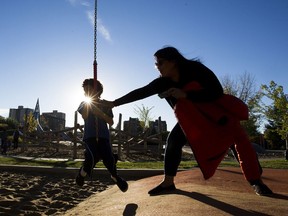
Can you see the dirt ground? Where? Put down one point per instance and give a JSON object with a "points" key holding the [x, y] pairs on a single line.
{"points": [[226, 193], [54, 193]]}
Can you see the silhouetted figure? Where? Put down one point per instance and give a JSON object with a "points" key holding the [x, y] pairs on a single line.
{"points": [[4, 142], [97, 136], [205, 117]]}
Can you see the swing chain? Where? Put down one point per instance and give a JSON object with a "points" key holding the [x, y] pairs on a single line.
{"points": [[95, 32]]}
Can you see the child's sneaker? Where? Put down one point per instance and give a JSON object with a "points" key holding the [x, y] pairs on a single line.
{"points": [[115, 158], [121, 183], [79, 179]]}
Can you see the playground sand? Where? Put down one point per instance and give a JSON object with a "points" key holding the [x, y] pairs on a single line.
{"points": [[32, 193]]}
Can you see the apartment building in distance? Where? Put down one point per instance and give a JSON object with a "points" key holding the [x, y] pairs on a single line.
{"points": [[54, 121], [19, 114], [133, 127]]}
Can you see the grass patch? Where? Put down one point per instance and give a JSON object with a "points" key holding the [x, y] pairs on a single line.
{"points": [[275, 164], [269, 163]]}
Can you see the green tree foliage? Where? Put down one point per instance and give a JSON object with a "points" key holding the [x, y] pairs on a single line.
{"points": [[273, 139], [245, 89], [8, 123], [12, 124], [277, 111], [30, 123], [3, 124]]}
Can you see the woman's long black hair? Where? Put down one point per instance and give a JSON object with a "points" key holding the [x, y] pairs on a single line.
{"points": [[172, 54]]}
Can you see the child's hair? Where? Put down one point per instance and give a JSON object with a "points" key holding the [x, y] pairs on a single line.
{"points": [[90, 82]]}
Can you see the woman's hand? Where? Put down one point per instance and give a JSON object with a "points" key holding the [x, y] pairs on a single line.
{"points": [[96, 111], [174, 92], [107, 103]]}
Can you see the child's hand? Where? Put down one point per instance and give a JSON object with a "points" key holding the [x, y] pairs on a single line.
{"points": [[109, 120]]}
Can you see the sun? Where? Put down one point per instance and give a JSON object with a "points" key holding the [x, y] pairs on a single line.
{"points": [[88, 100]]}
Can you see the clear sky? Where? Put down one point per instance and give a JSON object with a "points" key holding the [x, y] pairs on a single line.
{"points": [[47, 47]]}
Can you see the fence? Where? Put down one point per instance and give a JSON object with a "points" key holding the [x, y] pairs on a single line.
{"points": [[126, 143], [123, 142]]}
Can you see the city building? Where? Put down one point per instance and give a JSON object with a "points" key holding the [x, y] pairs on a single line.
{"points": [[158, 126], [19, 114], [54, 121], [133, 127]]}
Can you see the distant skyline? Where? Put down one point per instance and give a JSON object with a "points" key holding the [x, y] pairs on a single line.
{"points": [[46, 47]]}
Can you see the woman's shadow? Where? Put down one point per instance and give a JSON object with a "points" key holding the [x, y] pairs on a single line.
{"points": [[131, 208], [225, 207]]}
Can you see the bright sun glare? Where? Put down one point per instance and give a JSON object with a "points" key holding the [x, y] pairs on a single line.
{"points": [[88, 100]]}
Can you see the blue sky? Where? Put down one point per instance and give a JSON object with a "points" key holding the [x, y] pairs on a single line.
{"points": [[47, 47]]}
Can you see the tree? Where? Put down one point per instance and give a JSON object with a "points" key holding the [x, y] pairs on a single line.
{"points": [[245, 89], [273, 139], [12, 123], [144, 115], [277, 111], [8, 123], [30, 123]]}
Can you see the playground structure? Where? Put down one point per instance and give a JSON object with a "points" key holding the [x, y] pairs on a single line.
{"points": [[70, 139], [142, 142]]}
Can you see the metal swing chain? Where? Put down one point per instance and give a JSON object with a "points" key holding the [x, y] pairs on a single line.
{"points": [[95, 59], [101, 113], [95, 73], [95, 32], [95, 45]]}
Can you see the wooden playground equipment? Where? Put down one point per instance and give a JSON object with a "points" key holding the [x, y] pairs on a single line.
{"points": [[142, 142], [123, 142]]}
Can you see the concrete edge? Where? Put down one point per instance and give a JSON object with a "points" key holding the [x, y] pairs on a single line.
{"points": [[128, 174]]}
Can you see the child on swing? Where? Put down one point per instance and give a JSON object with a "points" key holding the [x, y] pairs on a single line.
{"points": [[96, 135]]}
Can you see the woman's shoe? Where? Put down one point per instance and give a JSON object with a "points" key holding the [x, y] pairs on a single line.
{"points": [[160, 189], [261, 189]]}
